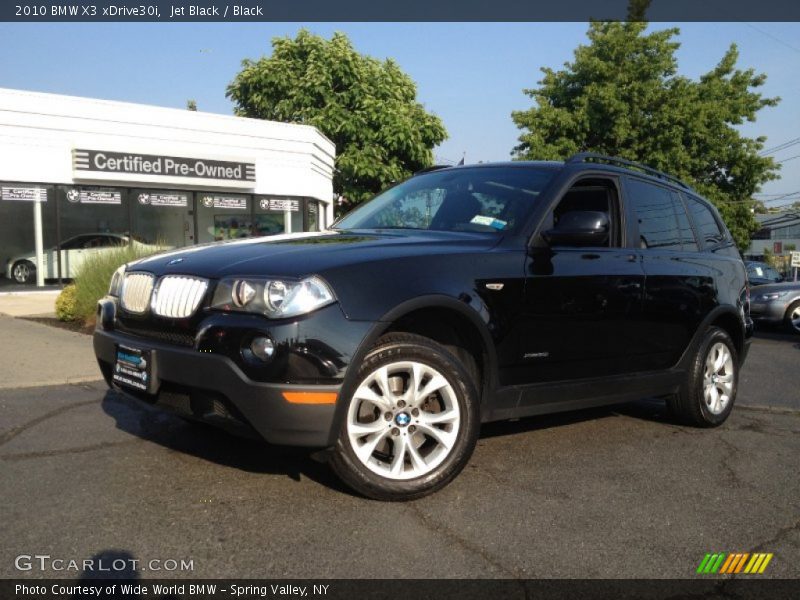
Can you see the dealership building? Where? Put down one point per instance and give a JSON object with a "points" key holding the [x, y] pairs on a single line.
{"points": [[79, 176]]}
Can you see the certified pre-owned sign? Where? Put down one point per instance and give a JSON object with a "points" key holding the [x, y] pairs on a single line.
{"points": [[152, 165]]}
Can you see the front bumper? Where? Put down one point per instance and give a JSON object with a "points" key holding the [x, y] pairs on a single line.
{"points": [[212, 388], [768, 312], [204, 374]]}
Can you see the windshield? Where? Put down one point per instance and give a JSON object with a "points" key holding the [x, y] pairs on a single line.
{"points": [[763, 271], [484, 199]]}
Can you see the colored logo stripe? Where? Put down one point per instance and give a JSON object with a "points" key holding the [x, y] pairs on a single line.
{"points": [[727, 564]]}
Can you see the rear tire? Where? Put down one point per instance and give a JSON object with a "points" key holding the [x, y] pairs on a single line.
{"points": [[792, 317], [708, 393], [411, 423], [23, 271]]}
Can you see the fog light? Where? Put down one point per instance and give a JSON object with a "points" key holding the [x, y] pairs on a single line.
{"points": [[262, 348]]}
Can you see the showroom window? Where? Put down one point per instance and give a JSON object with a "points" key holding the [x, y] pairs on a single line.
{"points": [[313, 215], [270, 216], [86, 212], [18, 205], [162, 218], [87, 220], [223, 217]]}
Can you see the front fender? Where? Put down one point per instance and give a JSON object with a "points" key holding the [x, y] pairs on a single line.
{"points": [[466, 308]]}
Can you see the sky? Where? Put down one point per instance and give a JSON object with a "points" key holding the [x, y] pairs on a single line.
{"points": [[472, 75]]}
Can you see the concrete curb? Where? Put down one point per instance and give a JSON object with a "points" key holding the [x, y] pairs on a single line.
{"points": [[40, 355]]}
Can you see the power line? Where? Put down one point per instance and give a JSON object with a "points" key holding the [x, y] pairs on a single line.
{"points": [[788, 195], [780, 147], [785, 204], [777, 39], [788, 159]]}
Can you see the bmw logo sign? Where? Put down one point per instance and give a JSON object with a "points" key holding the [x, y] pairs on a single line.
{"points": [[402, 419]]}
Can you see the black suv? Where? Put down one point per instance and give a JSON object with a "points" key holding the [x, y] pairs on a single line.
{"points": [[463, 295]]}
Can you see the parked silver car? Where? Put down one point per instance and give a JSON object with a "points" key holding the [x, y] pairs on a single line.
{"points": [[74, 252], [777, 303]]}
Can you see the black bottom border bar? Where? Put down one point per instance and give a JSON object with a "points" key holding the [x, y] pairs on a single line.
{"points": [[390, 589]]}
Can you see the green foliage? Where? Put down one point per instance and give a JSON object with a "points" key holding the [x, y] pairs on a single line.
{"points": [[66, 304], [93, 278], [367, 107], [769, 257], [191, 105], [622, 95]]}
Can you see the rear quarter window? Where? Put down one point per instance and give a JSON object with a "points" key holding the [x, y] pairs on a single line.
{"points": [[709, 229]]}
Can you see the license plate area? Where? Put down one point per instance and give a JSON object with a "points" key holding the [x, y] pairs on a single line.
{"points": [[133, 368]]}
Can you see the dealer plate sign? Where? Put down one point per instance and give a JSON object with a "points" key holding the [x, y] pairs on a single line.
{"points": [[132, 368]]}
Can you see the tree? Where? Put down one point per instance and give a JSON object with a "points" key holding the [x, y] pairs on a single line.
{"points": [[622, 95], [367, 107], [191, 105]]}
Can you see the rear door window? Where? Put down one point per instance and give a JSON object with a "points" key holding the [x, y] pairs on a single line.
{"points": [[661, 217]]}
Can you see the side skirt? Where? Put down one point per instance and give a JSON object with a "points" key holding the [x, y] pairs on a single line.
{"points": [[561, 396]]}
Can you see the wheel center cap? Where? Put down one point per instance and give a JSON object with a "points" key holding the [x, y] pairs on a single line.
{"points": [[402, 419], [714, 378]]}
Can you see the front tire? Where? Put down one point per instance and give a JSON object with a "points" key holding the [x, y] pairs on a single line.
{"points": [[707, 395], [411, 423], [792, 317], [23, 271]]}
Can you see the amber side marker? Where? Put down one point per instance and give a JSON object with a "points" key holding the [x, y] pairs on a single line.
{"points": [[310, 397]]}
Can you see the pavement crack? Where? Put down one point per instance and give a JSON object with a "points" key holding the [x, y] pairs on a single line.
{"points": [[780, 534], [64, 451], [464, 544], [15, 431], [726, 462]]}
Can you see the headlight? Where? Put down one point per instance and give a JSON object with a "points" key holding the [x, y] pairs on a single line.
{"points": [[116, 281], [275, 298], [772, 296]]}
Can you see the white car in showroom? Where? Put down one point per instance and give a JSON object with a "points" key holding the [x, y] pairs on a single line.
{"points": [[74, 252]]}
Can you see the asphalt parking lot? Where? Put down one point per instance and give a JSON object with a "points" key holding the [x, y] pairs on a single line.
{"points": [[619, 492]]}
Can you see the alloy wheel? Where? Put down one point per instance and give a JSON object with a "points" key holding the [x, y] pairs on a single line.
{"points": [[403, 420], [718, 378], [21, 272], [794, 319]]}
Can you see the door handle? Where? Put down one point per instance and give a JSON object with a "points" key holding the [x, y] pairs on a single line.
{"points": [[629, 287]]}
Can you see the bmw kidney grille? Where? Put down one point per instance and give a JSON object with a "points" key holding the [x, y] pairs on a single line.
{"points": [[175, 296], [178, 296]]}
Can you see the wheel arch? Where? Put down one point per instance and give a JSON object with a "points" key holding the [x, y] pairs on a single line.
{"points": [[726, 318], [451, 316]]}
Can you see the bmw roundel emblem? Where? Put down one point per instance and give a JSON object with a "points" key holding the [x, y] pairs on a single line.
{"points": [[175, 261], [402, 419]]}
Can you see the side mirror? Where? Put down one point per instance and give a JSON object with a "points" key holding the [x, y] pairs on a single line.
{"points": [[579, 228]]}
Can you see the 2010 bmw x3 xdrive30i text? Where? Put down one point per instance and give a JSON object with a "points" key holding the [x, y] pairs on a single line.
{"points": [[460, 296]]}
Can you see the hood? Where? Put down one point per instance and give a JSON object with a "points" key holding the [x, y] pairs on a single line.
{"points": [[301, 254], [786, 286]]}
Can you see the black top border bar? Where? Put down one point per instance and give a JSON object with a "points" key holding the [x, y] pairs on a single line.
{"points": [[406, 10]]}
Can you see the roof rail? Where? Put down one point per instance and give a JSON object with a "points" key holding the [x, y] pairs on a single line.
{"points": [[627, 164], [431, 168]]}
